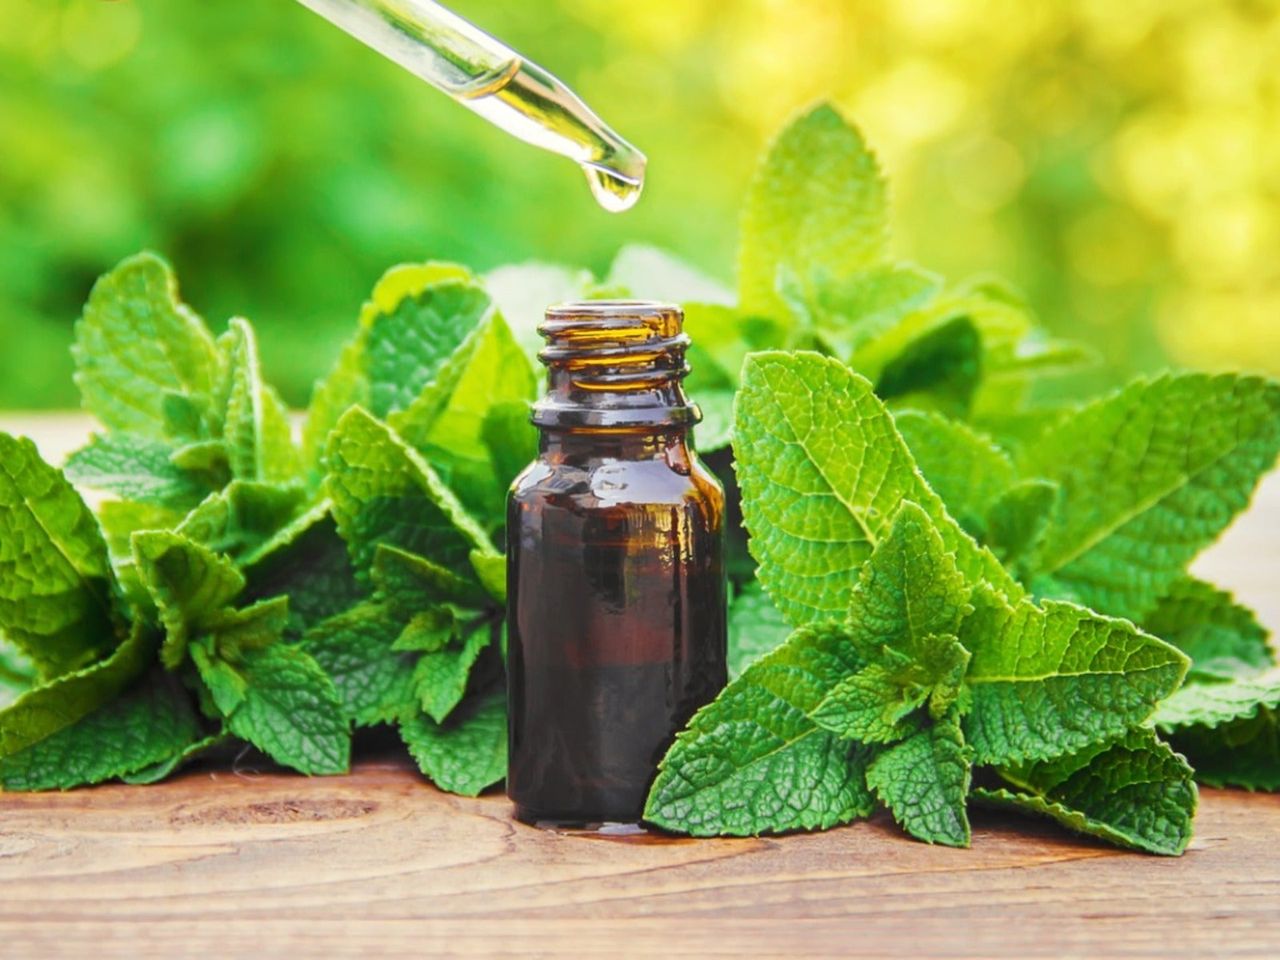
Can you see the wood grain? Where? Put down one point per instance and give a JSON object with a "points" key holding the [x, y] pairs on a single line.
{"points": [[381, 864], [378, 863]]}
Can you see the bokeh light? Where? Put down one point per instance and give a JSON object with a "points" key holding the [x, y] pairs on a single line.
{"points": [[1117, 162]]}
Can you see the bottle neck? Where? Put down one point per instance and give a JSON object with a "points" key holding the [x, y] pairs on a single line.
{"points": [[614, 365]]}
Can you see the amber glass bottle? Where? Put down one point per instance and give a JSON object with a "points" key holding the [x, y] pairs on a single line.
{"points": [[616, 584]]}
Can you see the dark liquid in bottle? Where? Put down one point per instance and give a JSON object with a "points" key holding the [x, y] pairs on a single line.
{"points": [[617, 637]]}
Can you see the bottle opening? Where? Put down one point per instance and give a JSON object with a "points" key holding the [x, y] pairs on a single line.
{"points": [[614, 363]]}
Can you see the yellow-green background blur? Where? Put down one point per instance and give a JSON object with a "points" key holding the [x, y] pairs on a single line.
{"points": [[1118, 160]]}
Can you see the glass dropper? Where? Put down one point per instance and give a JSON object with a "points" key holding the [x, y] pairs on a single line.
{"points": [[494, 81]]}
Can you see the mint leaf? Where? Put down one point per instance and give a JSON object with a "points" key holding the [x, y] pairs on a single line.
{"points": [[1149, 475], [1050, 680], [872, 705], [1018, 520], [924, 782], [406, 582], [845, 316], [139, 469], [447, 420], [511, 441], [241, 517], [909, 600], [1230, 731], [755, 628], [1134, 792], [816, 209], [938, 371], [55, 576], [189, 584], [289, 709], [823, 470], [440, 677], [162, 769], [1223, 639], [16, 674], [407, 345], [307, 562], [256, 427], [137, 345], [145, 725], [348, 383], [469, 751], [384, 492], [44, 710], [752, 761], [964, 467], [356, 649]]}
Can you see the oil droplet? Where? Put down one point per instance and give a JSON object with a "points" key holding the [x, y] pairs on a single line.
{"points": [[614, 192]]}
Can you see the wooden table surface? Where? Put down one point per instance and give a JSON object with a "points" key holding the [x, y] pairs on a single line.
{"points": [[233, 863]]}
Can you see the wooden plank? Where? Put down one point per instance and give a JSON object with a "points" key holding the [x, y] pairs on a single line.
{"points": [[381, 864], [247, 864]]}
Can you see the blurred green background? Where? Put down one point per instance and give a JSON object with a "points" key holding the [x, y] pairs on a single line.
{"points": [[1118, 161]]}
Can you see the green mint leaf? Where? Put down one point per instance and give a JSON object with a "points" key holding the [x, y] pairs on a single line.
{"points": [[249, 628], [241, 517], [655, 274], [226, 685], [924, 781], [850, 314], [307, 562], [964, 467], [823, 470], [119, 521], [189, 584], [872, 705], [510, 440], [816, 208], [139, 469], [1149, 475], [256, 427], [162, 769], [138, 344], [1018, 520], [436, 627], [356, 649], [291, 711], [752, 761], [148, 723], [1134, 792], [45, 709], [407, 345], [348, 383], [1230, 731], [939, 371], [1223, 639], [491, 570], [440, 677], [407, 582], [1213, 704], [17, 675], [468, 752], [1050, 680], [755, 628], [55, 575], [384, 492], [449, 428], [909, 601]]}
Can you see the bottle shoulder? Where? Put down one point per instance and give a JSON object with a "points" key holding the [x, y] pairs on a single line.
{"points": [[609, 482]]}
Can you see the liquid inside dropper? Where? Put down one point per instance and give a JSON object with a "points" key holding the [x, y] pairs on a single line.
{"points": [[531, 104]]}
